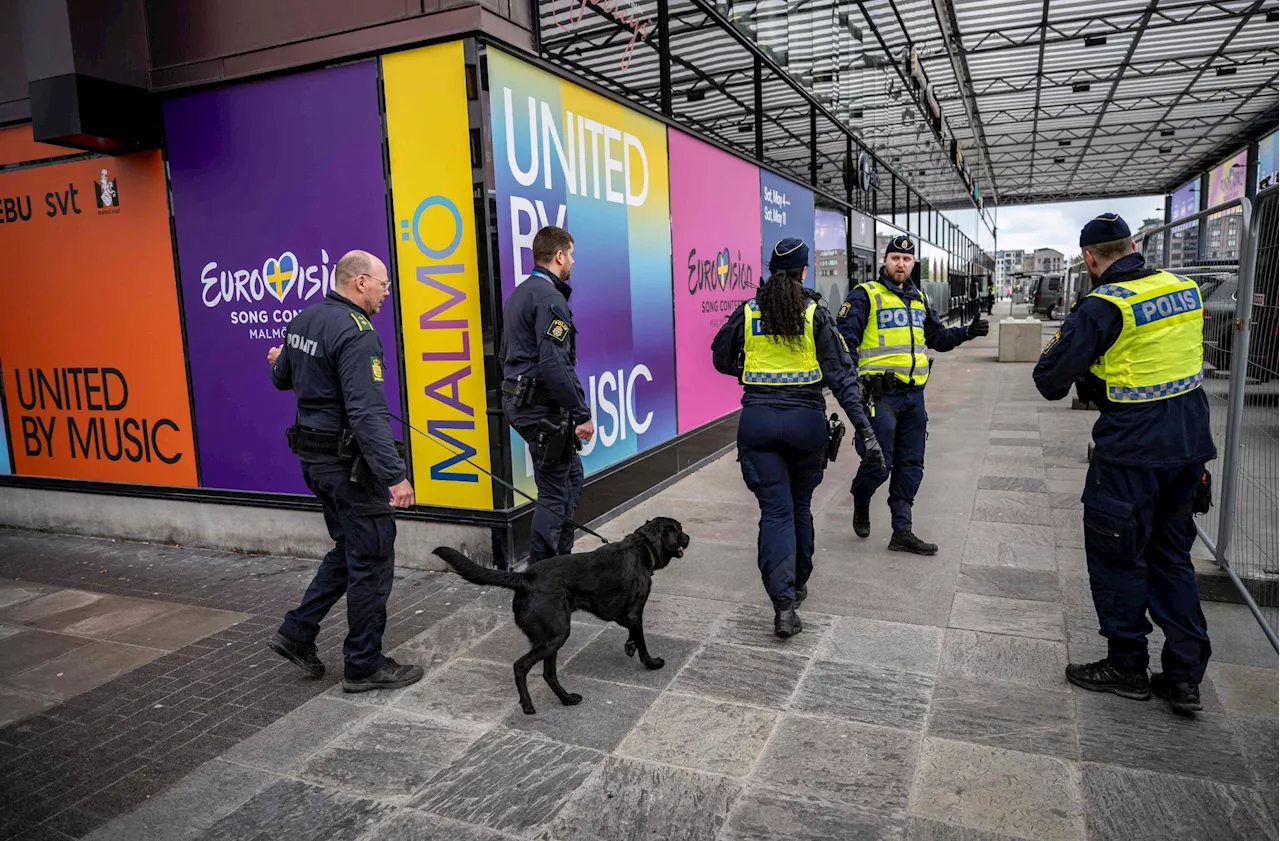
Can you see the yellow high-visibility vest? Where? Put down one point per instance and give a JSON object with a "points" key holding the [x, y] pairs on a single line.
{"points": [[1160, 352], [893, 340], [768, 360]]}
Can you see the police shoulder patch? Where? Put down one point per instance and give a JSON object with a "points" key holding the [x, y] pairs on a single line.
{"points": [[375, 365], [844, 309], [361, 321], [1052, 342], [843, 343], [557, 331]]}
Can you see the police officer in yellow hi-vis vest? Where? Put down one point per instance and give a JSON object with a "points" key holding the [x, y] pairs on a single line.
{"points": [[783, 347], [888, 324], [1134, 347]]}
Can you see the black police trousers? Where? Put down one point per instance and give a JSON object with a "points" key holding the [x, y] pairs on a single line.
{"points": [[1138, 533], [360, 564], [901, 426], [559, 488], [782, 453]]}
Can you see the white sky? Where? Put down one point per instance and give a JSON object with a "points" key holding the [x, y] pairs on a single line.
{"points": [[1057, 225]]}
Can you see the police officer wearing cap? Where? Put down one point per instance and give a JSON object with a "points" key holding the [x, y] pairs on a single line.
{"points": [[888, 323], [332, 360], [783, 347], [541, 395], [1134, 347]]}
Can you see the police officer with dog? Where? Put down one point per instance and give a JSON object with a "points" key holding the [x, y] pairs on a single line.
{"points": [[888, 323], [332, 359], [541, 395], [783, 347], [1133, 347]]}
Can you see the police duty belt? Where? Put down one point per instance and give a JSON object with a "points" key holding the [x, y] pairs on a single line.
{"points": [[502, 482]]}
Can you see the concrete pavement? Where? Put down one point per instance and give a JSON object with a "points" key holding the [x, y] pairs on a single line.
{"points": [[925, 699]]}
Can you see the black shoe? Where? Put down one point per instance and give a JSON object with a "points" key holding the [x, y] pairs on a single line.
{"points": [[905, 541], [303, 654], [1105, 676], [861, 518], [1183, 697], [785, 621], [802, 593], [390, 675]]}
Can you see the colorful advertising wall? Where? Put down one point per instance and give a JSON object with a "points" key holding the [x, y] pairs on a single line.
{"points": [[1184, 200], [5, 466], [94, 379], [1227, 179], [427, 129], [1268, 160], [567, 157], [832, 254], [786, 210], [715, 237], [270, 189]]}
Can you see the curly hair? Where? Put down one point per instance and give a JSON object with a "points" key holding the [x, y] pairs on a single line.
{"points": [[782, 306]]}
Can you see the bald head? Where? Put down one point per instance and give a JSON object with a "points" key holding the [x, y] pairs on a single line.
{"points": [[362, 278], [353, 264]]}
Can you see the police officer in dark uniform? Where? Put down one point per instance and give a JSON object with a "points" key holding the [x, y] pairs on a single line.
{"points": [[783, 347], [887, 324], [332, 359], [541, 394], [1133, 346]]}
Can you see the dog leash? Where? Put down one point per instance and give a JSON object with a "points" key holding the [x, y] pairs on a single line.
{"points": [[502, 482]]}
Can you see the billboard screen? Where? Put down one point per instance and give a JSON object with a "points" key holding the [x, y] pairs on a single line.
{"points": [[715, 224], [786, 210], [832, 254], [567, 157], [1227, 179], [94, 376], [1268, 163], [427, 131], [261, 217]]}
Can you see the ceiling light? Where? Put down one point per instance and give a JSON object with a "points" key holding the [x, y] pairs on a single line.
{"points": [[1095, 40], [1226, 71], [1080, 87]]}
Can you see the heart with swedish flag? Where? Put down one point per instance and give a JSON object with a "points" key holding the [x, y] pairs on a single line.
{"points": [[280, 275]]}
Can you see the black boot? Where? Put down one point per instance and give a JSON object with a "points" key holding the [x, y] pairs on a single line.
{"points": [[1105, 676], [302, 654], [802, 593], [905, 541], [1182, 697], [390, 675], [785, 621], [861, 518]]}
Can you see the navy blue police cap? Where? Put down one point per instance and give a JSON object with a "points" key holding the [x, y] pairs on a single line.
{"points": [[789, 253], [900, 245], [1108, 227]]}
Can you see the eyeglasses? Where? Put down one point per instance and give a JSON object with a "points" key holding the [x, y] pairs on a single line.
{"points": [[386, 284]]}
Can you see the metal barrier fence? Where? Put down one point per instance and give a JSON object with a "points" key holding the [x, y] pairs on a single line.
{"points": [[1231, 252]]}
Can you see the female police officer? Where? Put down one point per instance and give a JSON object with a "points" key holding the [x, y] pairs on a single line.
{"points": [[784, 348]]}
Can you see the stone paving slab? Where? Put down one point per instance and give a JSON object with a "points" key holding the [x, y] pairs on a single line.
{"points": [[925, 700]]}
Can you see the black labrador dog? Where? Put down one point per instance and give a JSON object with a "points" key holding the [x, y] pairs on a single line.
{"points": [[612, 582]]}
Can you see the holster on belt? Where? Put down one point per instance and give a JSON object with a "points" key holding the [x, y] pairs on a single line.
{"points": [[555, 442], [1202, 501], [835, 434]]}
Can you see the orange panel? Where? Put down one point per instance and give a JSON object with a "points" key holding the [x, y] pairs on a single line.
{"points": [[16, 147], [90, 342]]}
